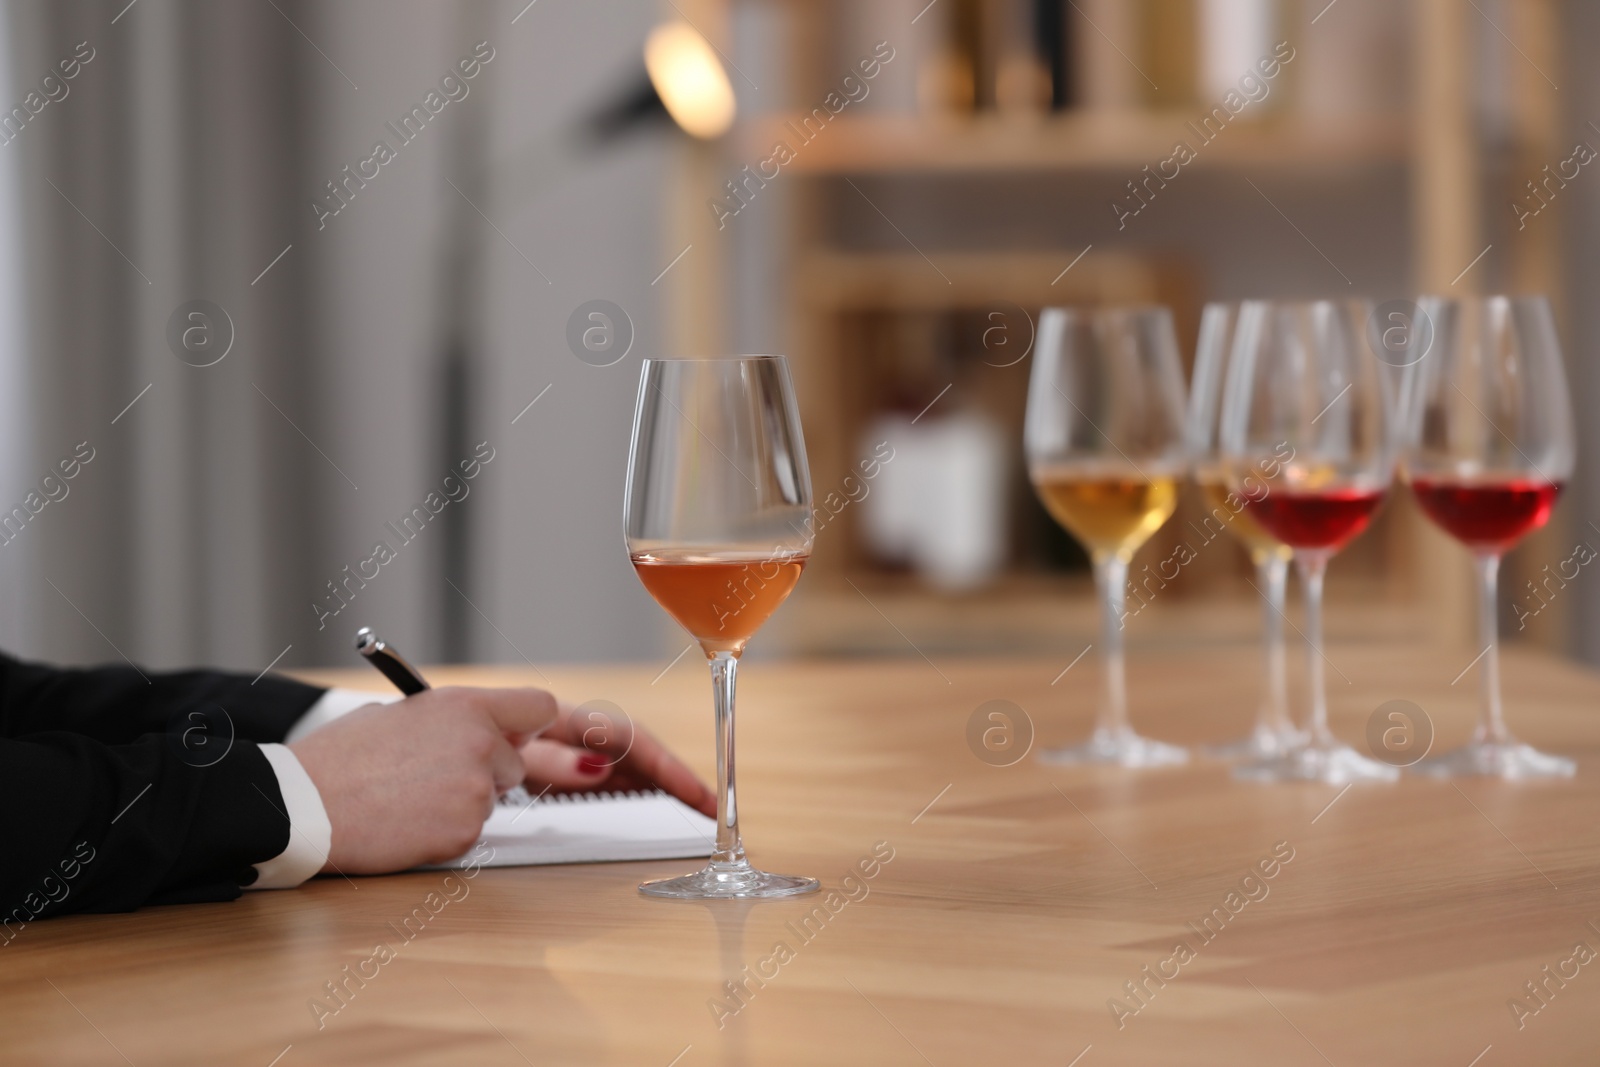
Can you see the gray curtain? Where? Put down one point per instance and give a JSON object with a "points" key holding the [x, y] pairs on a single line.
{"points": [[161, 177]]}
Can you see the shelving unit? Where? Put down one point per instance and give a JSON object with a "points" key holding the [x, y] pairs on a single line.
{"points": [[1126, 140], [1403, 579]]}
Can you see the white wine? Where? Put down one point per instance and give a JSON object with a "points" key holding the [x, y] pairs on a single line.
{"points": [[1111, 516]]}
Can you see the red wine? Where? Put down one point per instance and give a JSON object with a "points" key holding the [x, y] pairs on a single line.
{"points": [[1487, 515], [1326, 518]]}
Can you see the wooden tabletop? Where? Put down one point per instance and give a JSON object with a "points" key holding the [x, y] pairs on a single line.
{"points": [[1398, 924]]}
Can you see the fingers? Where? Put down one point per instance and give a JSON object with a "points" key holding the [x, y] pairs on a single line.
{"points": [[516, 712], [639, 760], [651, 759], [642, 761], [506, 764], [594, 727], [563, 767]]}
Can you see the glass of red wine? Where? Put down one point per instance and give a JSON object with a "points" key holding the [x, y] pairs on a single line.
{"points": [[1307, 434], [1489, 445]]}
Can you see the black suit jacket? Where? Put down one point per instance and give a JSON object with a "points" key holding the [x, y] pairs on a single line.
{"points": [[120, 788]]}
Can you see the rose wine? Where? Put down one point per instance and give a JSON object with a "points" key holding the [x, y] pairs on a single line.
{"points": [[1319, 518], [721, 602], [1111, 516], [1242, 524]]}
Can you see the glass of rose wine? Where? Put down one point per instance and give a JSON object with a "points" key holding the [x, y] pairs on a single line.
{"points": [[1274, 732], [1490, 445], [717, 517], [1104, 437], [1307, 408]]}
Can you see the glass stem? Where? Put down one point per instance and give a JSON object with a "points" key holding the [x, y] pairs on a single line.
{"points": [[1312, 566], [724, 677], [1491, 726], [1111, 578], [1272, 572]]}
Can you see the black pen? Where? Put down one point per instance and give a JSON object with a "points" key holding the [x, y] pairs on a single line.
{"points": [[392, 665]]}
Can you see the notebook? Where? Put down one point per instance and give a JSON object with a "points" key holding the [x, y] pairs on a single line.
{"points": [[588, 828]]}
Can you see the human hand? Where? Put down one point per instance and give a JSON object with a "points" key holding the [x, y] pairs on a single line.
{"points": [[413, 782], [597, 750]]}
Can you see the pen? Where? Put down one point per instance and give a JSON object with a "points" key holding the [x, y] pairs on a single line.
{"points": [[410, 681], [390, 663]]}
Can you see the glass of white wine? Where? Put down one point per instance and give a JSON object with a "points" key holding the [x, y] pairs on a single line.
{"points": [[1274, 732], [1104, 437]]}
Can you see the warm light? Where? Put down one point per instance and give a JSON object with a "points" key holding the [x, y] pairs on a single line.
{"points": [[689, 79]]}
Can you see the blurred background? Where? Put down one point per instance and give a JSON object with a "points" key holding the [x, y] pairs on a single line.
{"points": [[277, 341]]}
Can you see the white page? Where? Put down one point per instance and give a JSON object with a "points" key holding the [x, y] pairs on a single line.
{"points": [[589, 828]]}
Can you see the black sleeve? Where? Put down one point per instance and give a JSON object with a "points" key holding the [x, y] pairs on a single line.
{"points": [[119, 704], [113, 794]]}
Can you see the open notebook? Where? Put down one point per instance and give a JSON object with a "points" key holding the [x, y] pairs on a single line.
{"points": [[589, 828]]}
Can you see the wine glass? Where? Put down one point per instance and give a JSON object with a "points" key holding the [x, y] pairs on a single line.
{"points": [[1274, 733], [1105, 449], [1307, 413], [1489, 447], [718, 523]]}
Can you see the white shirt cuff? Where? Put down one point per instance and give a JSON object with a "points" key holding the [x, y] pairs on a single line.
{"points": [[331, 705], [310, 833]]}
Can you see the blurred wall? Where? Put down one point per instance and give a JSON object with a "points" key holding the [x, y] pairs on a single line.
{"points": [[546, 575]]}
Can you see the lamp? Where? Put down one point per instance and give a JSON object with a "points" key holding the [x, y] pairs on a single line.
{"points": [[683, 80], [689, 78]]}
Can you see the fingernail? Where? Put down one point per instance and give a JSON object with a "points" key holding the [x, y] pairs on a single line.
{"points": [[589, 763]]}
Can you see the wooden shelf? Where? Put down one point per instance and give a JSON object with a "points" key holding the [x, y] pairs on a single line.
{"points": [[831, 281], [1086, 140]]}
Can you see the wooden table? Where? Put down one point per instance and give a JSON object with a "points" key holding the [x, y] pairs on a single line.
{"points": [[1018, 902]]}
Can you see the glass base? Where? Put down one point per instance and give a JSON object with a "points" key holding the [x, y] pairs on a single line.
{"points": [[729, 881], [1322, 761], [1122, 748], [1262, 744], [1496, 759]]}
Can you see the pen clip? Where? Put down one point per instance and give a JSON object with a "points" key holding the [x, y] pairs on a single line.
{"points": [[390, 663]]}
